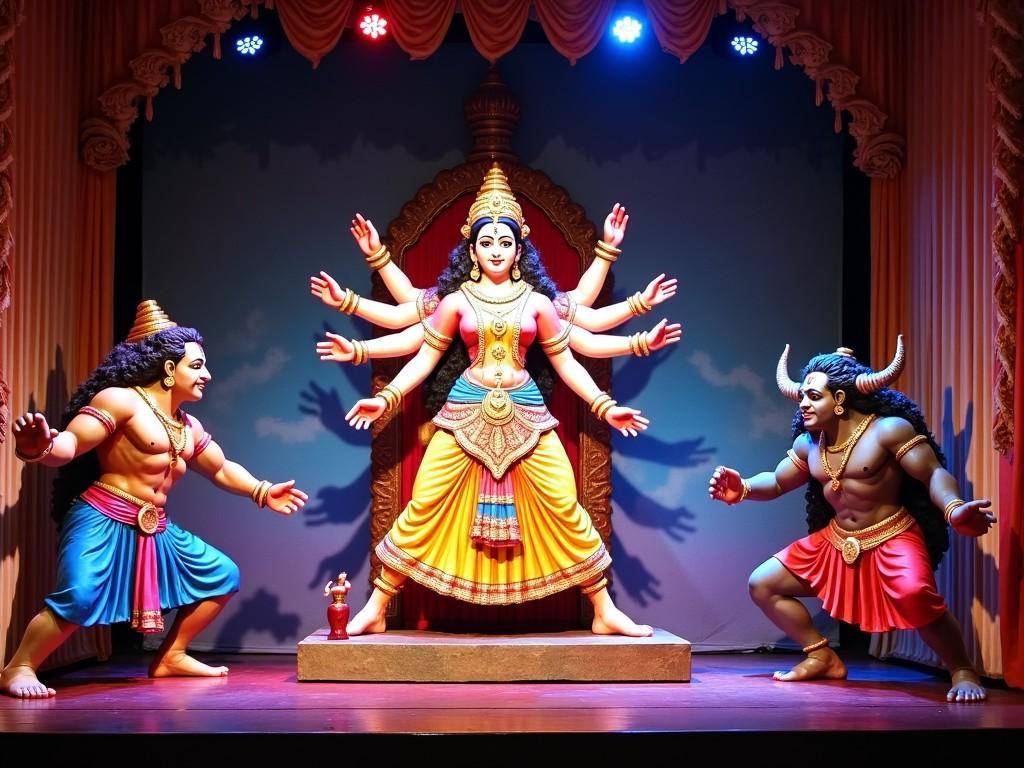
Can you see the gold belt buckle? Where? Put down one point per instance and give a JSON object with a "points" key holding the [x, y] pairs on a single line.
{"points": [[148, 519], [850, 550]]}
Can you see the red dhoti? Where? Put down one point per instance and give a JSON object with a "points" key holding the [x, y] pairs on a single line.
{"points": [[889, 586]]}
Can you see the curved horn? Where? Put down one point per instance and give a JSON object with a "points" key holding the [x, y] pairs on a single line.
{"points": [[787, 386], [872, 382]]}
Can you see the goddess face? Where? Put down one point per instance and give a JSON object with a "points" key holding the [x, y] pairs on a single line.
{"points": [[496, 251]]}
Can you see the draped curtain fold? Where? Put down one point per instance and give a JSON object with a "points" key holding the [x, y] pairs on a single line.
{"points": [[314, 27], [681, 28], [59, 325], [947, 310]]}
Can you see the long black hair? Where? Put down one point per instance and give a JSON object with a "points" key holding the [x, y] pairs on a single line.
{"points": [[842, 372], [456, 359], [131, 364]]}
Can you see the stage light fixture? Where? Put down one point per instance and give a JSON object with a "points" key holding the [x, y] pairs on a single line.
{"points": [[373, 25], [249, 45], [745, 45], [627, 29]]}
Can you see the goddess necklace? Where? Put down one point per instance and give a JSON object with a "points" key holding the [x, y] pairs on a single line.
{"points": [[847, 447], [175, 428]]}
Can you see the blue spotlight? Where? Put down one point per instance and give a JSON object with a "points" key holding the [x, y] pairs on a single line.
{"points": [[249, 45], [627, 29], [744, 45]]}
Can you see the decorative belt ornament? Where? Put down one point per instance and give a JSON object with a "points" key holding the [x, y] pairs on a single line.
{"points": [[851, 543], [497, 407], [148, 518]]}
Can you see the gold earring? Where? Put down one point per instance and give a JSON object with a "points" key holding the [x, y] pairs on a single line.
{"points": [[168, 382], [516, 274], [474, 273], [839, 410]]}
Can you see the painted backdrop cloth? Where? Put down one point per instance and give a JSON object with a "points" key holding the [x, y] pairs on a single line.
{"points": [[430, 541], [889, 587], [95, 567]]}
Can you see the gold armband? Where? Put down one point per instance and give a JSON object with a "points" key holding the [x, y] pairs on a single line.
{"points": [[910, 445], [260, 492], [601, 404], [558, 343], [360, 352], [379, 258], [637, 305], [350, 302], [435, 338], [607, 252], [797, 461], [638, 344], [744, 490], [952, 507], [102, 415], [38, 457], [392, 396]]}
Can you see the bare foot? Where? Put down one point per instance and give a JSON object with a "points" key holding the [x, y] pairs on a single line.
{"points": [[966, 686], [369, 621], [822, 664], [612, 621], [182, 665], [22, 683]]}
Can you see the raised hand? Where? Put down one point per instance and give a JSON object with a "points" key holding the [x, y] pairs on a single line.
{"points": [[32, 435], [725, 485], [365, 412], [664, 334], [285, 498], [337, 348], [615, 225], [972, 518], [659, 290], [365, 235], [627, 420], [326, 289]]}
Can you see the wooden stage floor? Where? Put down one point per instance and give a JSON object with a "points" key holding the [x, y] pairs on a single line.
{"points": [[731, 704]]}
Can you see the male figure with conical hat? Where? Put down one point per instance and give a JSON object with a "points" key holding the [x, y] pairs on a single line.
{"points": [[879, 504], [125, 443]]}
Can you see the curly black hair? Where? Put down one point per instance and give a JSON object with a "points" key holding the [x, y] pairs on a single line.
{"points": [[129, 364], [842, 372], [456, 359]]}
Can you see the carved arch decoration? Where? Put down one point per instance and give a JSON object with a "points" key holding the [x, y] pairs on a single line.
{"points": [[104, 136], [450, 192], [1006, 81], [10, 15], [879, 154]]}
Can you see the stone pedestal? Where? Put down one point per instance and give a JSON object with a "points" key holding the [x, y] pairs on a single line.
{"points": [[435, 657]]}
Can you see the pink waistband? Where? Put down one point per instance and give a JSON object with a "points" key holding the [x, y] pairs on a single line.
{"points": [[117, 508]]}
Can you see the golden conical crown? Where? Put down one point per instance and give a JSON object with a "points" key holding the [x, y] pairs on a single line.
{"points": [[494, 200], [149, 319]]}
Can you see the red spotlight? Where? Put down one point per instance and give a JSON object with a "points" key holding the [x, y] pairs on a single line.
{"points": [[373, 24]]}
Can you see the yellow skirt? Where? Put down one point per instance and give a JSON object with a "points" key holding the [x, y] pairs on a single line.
{"points": [[430, 541]]}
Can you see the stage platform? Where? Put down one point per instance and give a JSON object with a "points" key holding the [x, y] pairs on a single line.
{"points": [[440, 657], [731, 705]]}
